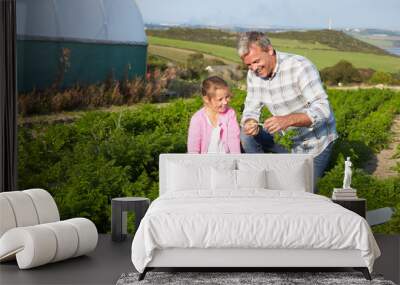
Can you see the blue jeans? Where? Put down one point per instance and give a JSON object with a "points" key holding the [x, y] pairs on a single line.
{"points": [[264, 142], [260, 143]]}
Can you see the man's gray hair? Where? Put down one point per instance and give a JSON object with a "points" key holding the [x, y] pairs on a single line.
{"points": [[248, 38]]}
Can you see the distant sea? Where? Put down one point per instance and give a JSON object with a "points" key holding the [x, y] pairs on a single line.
{"points": [[395, 50]]}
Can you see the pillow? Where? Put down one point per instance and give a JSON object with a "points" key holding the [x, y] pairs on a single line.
{"points": [[183, 177], [227, 179], [251, 178], [223, 179], [297, 181], [194, 175], [281, 174]]}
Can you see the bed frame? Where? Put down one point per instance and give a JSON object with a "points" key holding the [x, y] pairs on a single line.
{"points": [[246, 257], [243, 259]]}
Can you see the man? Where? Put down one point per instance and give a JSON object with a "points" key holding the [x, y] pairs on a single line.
{"points": [[290, 86]]}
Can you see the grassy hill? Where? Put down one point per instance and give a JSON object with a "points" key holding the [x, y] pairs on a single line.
{"points": [[179, 55], [335, 39], [197, 35], [321, 55], [322, 39]]}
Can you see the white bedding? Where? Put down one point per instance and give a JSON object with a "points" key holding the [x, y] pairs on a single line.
{"points": [[250, 219]]}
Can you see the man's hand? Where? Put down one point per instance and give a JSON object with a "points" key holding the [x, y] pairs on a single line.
{"points": [[250, 127], [277, 123]]}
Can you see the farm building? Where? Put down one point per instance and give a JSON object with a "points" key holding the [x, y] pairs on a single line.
{"points": [[64, 42]]}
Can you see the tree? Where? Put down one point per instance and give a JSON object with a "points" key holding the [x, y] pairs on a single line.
{"points": [[195, 65], [381, 77], [343, 72]]}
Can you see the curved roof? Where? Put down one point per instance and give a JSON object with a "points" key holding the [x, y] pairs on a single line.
{"points": [[82, 20]]}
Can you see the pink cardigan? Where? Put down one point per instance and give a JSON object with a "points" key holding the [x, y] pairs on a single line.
{"points": [[200, 132]]}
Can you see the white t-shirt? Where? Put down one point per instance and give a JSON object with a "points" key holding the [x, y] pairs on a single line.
{"points": [[215, 145]]}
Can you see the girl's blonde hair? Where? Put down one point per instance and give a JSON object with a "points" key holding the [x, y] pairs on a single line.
{"points": [[211, 84]]}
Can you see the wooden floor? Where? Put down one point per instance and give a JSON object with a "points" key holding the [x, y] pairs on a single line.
{"points": [[103, 266], [389, 262], [111, 259]]}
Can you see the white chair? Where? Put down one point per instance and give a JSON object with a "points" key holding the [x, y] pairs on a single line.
{"points": [[31, 230]]}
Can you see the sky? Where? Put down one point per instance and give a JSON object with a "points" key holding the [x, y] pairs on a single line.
{"points": [[312, 14]]}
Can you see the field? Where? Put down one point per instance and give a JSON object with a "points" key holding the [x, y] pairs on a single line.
{"points": [[102, 155], [177, 54], [377, 41], [215, 50], [86, 158], [323, 56]]}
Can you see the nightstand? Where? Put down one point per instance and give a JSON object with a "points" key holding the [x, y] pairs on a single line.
{"points": [[119, 208], [358, 206]]}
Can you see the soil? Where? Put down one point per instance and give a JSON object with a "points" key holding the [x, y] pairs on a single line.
{"points": [[381, 165]]}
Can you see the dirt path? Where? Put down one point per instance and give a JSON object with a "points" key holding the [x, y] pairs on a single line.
{"points": [[381, 165], [356, 87]]}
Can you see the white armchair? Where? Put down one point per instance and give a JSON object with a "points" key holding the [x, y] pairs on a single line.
{"points": [[31, 230]]}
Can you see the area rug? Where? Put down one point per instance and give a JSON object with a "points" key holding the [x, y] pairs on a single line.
{"points": [[243, 278]]}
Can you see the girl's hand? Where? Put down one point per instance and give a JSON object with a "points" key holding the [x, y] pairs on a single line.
{"points": [[250, 127]]}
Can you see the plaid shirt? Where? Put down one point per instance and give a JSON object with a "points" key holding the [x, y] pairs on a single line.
{"points": [[294, 87]]}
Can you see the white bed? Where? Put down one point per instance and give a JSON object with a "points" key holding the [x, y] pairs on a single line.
{"points": [[247, 210]]}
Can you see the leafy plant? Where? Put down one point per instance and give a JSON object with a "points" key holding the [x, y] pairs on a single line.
{"points": [[381, 77]]}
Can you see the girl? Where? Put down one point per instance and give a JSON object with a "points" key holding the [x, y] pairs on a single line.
{"points": [[214, 128]]}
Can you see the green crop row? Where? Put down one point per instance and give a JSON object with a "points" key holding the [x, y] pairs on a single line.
{"points": [[103, 155]]}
